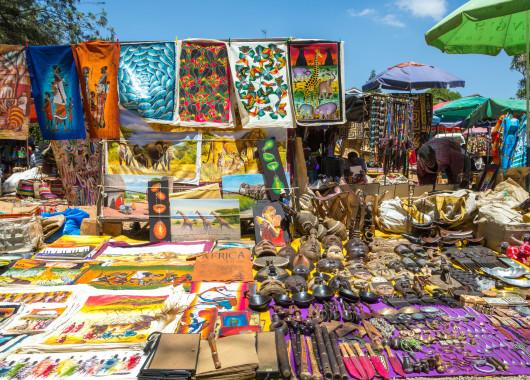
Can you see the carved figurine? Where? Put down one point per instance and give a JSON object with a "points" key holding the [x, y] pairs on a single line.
{"points": [[310, 247]]}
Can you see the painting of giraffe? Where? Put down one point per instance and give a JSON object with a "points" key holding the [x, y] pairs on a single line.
{"points": [[205, 219], [317, 96]]}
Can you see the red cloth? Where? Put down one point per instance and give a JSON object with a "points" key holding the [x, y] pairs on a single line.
{"points": [[119, 202], [449, 158], [524, 253], [513, 252]]}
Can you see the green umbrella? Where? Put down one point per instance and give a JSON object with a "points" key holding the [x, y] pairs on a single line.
{"points": [[486, 27]]}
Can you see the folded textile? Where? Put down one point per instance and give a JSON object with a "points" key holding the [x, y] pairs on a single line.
{"points": [[97, 66], [260, 77], [72, 225], [55, 90]]}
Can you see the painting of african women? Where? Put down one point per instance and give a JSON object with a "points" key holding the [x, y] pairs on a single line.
{"points": [[316, 82], [205, 219]]}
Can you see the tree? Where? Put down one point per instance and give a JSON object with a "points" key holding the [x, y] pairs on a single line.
{"points": [[50, 22], [372, 75], [445, 94], [519, 64]]}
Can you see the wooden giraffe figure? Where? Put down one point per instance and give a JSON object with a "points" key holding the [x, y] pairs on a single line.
{"points": [[186, 222], [312, 86], [222, 222], [207, 224]]}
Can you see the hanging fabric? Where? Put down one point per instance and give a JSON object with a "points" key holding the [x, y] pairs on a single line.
{"points": [[317, 82], [55, 88], [147, 80], [519, 159], [204, 84], [15, 92], [97, 66], [260, 77]]}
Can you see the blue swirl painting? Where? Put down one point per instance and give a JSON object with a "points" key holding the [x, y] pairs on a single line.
{"points": [[147, 79]]}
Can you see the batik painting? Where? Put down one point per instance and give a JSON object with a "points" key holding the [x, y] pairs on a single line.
{"points": [[270, 223], [272, 168], [198, 321], [30, 297], [203, 219], [137, 276], [224, 297], [317, 82], [71, 247], [260, 77], [55, 89], [147, 80], [97, 66], [145, 151], [235, 152], [117, 253], [78, 166], [248, 189], [36, 320], [90, 365], [15, 93], [109, 318], [46, 273], [204, 85]]}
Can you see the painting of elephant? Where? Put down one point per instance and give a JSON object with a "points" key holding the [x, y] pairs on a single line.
{"points": [[300, 74], [156, 151]]}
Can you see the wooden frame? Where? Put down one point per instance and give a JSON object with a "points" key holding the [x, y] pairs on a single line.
{"points": [[488, 177]]}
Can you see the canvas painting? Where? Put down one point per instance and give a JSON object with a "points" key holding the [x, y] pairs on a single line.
{"points": [[143, 150], [317, 82], [198, 321], [36, 320], [248, 189], [273, 170], [117, 253], [69, 247], [125, 196], [203, 219], [270, 223], [235, 152], [223, 296], [109, 318], [48, 273], [36, 297], [147, 79], [136, 276], [15, 93]]}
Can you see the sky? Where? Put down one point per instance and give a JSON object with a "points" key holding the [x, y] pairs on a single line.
{"points": [[378, 34]]}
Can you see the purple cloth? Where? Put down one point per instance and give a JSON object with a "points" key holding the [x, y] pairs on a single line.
{"points": [[514, 370], [121, 244], [449, 158]]}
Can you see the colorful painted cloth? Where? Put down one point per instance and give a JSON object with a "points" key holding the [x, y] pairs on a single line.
{"points": [[97, 66], [204, 85], [519, 155], [496, 139], [55, 88], [260, 77], [147, 79], [15, 93], [317, 82], [78, 165]]}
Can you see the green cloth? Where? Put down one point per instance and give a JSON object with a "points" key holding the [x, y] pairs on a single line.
{"points": [[482, 27], [495, 108], [459, 109]]}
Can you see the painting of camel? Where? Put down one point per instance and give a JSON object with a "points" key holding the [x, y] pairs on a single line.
{"points": [[205, 219]]}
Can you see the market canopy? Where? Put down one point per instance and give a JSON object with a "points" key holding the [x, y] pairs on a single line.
{"points": [[459, 109], [412, 75], [494, 108], [482, 27]]}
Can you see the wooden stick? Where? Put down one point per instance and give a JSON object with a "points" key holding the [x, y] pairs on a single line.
{"points": [[213, 348], [336, 351], [314, 365], [326, 367], [304, 369], [332, 358], [289, 353], [283, 355]]}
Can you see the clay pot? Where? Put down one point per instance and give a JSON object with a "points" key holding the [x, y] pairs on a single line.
{"points": [[336, 228], [330, 240]]}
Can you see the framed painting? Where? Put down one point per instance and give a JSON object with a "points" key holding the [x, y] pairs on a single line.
{"points": [[488, 177]]}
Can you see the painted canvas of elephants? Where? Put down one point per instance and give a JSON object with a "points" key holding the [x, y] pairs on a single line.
{"points": [[145, 151], [317, 82], [205, 219], [235, 152]]}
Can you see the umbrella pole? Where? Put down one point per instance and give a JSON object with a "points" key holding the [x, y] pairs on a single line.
{"points": [[527, 87]]}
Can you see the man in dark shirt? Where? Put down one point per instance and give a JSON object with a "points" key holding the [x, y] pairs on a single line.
{"points": [[440, 155]]}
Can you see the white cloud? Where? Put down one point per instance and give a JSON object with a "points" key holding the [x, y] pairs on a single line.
{"points": [[391, 20], [364, 12], [424, 8]]}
